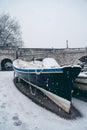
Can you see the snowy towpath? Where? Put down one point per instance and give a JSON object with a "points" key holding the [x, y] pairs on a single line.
{"points": [[17, 112]]}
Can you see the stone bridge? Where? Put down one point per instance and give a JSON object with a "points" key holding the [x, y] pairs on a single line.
{"points": [[64, 56]]}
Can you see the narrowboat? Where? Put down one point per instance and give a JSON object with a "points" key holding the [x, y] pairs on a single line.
{"points": [[81, 82]]}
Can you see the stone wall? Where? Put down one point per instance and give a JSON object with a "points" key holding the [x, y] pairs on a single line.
{"points": [[63, 56]]}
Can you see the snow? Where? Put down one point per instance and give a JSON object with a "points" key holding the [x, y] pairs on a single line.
{"points": [[83, 74], [36, 64], [17, 112], [50, 63]]}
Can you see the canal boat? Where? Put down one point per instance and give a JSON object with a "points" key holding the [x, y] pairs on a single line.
{"points": [[49, 77], [81, 82]]}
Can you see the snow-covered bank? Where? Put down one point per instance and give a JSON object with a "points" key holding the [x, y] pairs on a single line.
{"points": [[17, 112]]}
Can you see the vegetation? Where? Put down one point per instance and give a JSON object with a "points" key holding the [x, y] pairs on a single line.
{"points": [[10, 34]]}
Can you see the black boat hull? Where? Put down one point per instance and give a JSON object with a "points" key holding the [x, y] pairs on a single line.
{"points": [[57, 86]]}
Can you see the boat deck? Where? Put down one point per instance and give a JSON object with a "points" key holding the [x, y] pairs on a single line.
{"points": [[47, 63]]}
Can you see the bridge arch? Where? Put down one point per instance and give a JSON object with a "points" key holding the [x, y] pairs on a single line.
{"points": [[6, 64], [83, 59]]}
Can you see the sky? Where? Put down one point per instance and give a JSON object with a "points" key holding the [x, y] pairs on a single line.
{"points": [[49, 23], [23, 114]]}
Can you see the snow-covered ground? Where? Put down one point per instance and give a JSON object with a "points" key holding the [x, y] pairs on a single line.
{"points": [[17, 112]]}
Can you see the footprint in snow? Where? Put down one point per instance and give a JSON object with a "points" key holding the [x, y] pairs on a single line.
{"points": [[17, 122], [3, 105]]}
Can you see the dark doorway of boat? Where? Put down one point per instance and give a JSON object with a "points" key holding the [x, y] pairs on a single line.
{"points": [[6, 65]]}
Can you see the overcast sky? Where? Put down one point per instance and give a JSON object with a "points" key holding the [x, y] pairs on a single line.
{"points": [[49, 23]]}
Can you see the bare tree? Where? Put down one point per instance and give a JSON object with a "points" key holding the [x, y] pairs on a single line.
{"points": [[10, 34]]}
